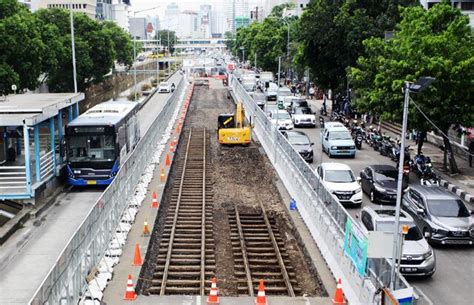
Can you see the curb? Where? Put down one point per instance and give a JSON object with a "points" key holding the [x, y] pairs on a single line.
{"points": [[456, 190]]}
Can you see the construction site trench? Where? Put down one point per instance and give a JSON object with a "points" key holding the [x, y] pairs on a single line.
{"points": [[222, 216]]}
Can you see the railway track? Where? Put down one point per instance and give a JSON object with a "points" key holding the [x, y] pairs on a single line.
{"points": [[185, 262], [260, 254]]}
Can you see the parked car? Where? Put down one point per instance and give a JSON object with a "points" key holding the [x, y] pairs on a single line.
{"points": [[380, 183], [282, 119], [164, 87], [418, 259], [339, 179], [336, 140], [303, 116], [301, 143], [442, 217]]}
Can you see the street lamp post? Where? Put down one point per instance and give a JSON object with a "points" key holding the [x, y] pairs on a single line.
{"points": [[418, 86], [278, 97]]}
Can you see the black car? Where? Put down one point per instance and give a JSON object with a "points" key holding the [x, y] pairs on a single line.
{"points": [[301, 143], [380, 183], [441, 216]]}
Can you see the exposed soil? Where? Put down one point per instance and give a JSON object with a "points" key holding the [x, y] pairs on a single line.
{"points": [[243, 177]]}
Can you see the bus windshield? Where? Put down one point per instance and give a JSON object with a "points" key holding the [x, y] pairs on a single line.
{"points": [[91, 148]]}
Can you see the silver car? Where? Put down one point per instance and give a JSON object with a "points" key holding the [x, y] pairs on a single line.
{"points": [[418, 259], [441, 216]]}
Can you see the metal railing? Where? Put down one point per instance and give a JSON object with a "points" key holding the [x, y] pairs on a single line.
{"points": [[12, 179], [47, 165], [66, 281], [321, 211]]}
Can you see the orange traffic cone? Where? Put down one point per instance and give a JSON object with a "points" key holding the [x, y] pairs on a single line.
{"points": [[154, 200], [178, 129], [146, 231], [137, 259], [162, 175], [213, 298], [339, 295], [261, 298], [130, 294], [171, 146], [168, 160]]}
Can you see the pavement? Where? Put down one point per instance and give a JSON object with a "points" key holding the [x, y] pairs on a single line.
{"points": [[27, 257], [452, 281]]}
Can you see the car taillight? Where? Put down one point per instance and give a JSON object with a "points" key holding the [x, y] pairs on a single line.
{"points": [[406, 169]]}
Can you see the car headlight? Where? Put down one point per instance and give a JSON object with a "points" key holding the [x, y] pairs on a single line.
{"points": [[427, 254], [378, 188], [358, 190], [471, 232], [77, 172], [333, 147], [352, 147]]}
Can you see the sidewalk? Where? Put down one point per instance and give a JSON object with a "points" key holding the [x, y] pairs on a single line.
{"points": [[461, 184]]}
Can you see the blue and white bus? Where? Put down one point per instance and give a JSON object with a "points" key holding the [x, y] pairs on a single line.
{"points": [[99, 141]]}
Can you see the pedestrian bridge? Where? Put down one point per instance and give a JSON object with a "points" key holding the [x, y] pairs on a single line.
{"points": [[188, 43]]}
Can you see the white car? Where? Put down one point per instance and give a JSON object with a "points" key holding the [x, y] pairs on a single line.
{"points": [[283, 93], [164, 87], [282, 119], [303, 116], [339, 180]]}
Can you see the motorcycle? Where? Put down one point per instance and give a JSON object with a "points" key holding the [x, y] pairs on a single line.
{"points": [[321, 122], [358, 141], [422, 166], [385, 145]]}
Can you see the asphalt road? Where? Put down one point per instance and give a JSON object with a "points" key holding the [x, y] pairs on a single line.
{"points": [[453, 280]]}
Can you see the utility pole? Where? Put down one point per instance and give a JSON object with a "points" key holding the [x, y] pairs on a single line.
{"points": [[157, 55], [277, 114], [288, 50], [255, 64], [233, 17], [73, 46], [169, 53]]}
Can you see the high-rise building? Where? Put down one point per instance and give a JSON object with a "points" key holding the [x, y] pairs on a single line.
{"points": [[138, 26], [32, 5], [242, 8], [217, 23], [120, 13], [188, 25], [103, 10], [205, 15], [171, 19], [83, 6]]}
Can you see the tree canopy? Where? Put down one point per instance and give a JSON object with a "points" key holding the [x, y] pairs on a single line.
{"points": [[438, 43], [333, 34], [36, 47], [163, 36]]}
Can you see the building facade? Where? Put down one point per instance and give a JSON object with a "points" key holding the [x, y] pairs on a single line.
{"points": [[138, 26], [87, 7], [171, 19], [188, 25]]}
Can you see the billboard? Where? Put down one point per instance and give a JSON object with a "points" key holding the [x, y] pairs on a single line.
{"points": [[355, 246]]}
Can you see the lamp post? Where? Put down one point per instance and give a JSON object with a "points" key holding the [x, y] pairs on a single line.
{"points": [[418, 86], [73, 46], [277, 115]]}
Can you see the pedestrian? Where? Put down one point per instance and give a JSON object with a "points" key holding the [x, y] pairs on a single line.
{"points": [[311, 93], [471, 152]]}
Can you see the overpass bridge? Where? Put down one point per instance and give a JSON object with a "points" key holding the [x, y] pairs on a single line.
{"points": [[188, 43]]}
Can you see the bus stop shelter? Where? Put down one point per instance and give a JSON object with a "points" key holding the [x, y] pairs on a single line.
{"points": [[32, 128]]}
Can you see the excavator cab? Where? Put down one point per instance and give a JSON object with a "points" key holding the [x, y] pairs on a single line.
{"points": [[232, 128]]}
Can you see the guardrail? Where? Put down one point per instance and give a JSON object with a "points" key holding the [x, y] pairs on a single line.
{"points": [[47, 165], [66, 281], [325, 217]]}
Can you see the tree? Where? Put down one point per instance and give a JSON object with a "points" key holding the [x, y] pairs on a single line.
{"points": [[333, 33], [163, 36], [21, 45], [95, 49], [437, 43], [230, 40], [122, 43]]}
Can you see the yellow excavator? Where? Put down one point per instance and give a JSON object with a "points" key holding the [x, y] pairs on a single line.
{"points": [[232, 128]]}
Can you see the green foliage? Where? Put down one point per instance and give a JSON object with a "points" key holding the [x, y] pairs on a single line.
{"points": [[267, 39], [122, 43], [437, 43], [230, 42], [21, 45], [163, 36], [39, 44], [333, 33]]}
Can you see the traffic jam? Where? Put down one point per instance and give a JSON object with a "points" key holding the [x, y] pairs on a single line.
{"points": [[358, 163]]}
